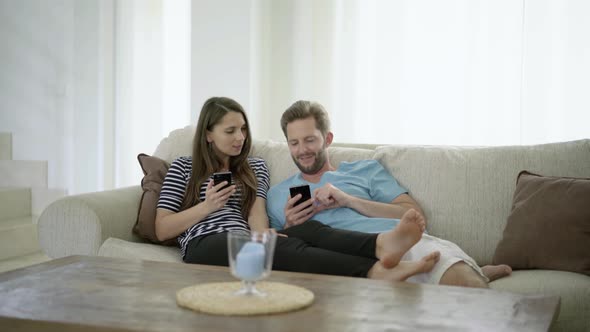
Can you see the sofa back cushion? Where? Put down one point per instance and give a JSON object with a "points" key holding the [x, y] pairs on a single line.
{"points": [[276, 154], [466, 192], [178, 143]]}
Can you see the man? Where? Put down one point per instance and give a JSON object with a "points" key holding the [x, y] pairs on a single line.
{"points": [[360, 196]]}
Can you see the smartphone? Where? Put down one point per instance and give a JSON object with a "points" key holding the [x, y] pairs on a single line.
{"points": [[220, 177], [303, 190]]}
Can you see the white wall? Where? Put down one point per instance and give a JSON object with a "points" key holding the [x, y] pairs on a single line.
{"points": [[35, 69], [221, 52], [88, 85], [85, 116], [49, 87], [241, 49]]}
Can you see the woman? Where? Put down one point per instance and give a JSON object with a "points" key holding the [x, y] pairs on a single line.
{"points": [[200, 214]]}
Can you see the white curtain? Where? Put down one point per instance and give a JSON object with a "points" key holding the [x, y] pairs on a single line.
{"points": [[556, 67], [466, 72], [152, 79]]}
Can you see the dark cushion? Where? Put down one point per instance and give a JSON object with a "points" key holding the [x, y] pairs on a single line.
{"points": [[154, 170], [549, 225]]}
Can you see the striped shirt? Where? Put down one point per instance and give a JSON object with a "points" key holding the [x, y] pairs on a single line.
{"points": [[227, 218]]}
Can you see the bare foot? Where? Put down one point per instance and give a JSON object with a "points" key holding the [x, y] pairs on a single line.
{"points": [[494, 272], [404, 269], [392, 245]]}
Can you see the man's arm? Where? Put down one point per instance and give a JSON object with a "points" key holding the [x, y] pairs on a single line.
{"points": [[330, 197], [394, 209]]}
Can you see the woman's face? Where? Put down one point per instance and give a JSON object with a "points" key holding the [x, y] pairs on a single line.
{"points": [[227, 137]]}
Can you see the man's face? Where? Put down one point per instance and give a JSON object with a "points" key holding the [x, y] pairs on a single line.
{"points": [[307, 145]]}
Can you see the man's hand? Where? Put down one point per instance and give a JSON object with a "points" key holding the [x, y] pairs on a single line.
{"points": [[295, 215], [330, 197]]}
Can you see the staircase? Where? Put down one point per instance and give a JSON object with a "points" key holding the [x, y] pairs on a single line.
{"points": [[23, 196]]}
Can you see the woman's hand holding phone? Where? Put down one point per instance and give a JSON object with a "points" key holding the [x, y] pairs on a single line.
{"points": [[217, 194]]}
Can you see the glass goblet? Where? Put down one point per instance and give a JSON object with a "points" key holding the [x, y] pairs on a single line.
{"points": [[250, 258]]}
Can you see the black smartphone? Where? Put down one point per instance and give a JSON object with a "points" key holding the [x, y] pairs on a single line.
{"points": [[303, 190], [220, 177]]}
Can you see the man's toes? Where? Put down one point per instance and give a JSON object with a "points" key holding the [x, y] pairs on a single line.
{"points": [[421, 223], [410, 214]]}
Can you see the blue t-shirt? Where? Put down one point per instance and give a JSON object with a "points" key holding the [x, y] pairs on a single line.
{"points": [[366, 179]]}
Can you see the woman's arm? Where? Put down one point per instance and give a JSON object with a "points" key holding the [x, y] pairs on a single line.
{"points": [[171, 224], [258, 219]]}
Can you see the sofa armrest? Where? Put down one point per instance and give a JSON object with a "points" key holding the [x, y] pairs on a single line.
{"points": [[79, 224]]}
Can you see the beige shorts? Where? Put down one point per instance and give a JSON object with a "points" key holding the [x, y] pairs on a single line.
{"points": [[450, 254]]}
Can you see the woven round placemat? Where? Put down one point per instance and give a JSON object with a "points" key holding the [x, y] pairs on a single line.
{"points": [[220, 298]]}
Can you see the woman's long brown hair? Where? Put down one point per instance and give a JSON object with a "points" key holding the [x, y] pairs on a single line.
{"points": [[206, 162]]}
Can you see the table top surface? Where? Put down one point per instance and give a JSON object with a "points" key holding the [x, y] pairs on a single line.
{"points": [[112, 294]]}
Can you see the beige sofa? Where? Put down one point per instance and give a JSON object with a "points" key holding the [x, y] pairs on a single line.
{"points": [[466, 193]]}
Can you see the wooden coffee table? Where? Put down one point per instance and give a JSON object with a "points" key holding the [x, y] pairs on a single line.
{"points": [[112, 294]]}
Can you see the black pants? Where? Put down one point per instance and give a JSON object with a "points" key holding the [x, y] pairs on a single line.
{"points": [[310, 247]]}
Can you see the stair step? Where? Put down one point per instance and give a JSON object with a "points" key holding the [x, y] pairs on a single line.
{"points": [[5, 146], [14, 203], [18, 237], [23, 261], [42, 197], [23, 173]]}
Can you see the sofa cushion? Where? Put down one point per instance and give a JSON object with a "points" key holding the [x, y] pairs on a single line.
{"points": [[466, 192], [277, 158], [573, 289], [549, 226], [177, 144], [114, 247], [154, 170]]}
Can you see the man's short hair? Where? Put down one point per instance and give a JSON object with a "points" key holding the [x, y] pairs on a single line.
{"points": [[304, 109]]}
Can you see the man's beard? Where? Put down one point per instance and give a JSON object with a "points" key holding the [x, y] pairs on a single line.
{"points": [[320, 160]]}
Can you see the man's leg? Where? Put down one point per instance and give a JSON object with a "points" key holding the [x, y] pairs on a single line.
{"points": [[388, 247], [461, 274], [294, 254], [495, 272], [404, 269], [455, 267]]}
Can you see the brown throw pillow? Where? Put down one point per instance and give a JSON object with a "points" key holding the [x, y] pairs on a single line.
{"points": [[549, 226], [154, 170]]}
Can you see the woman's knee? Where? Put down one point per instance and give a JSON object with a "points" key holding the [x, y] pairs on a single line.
{"points": [[208, 250]]}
